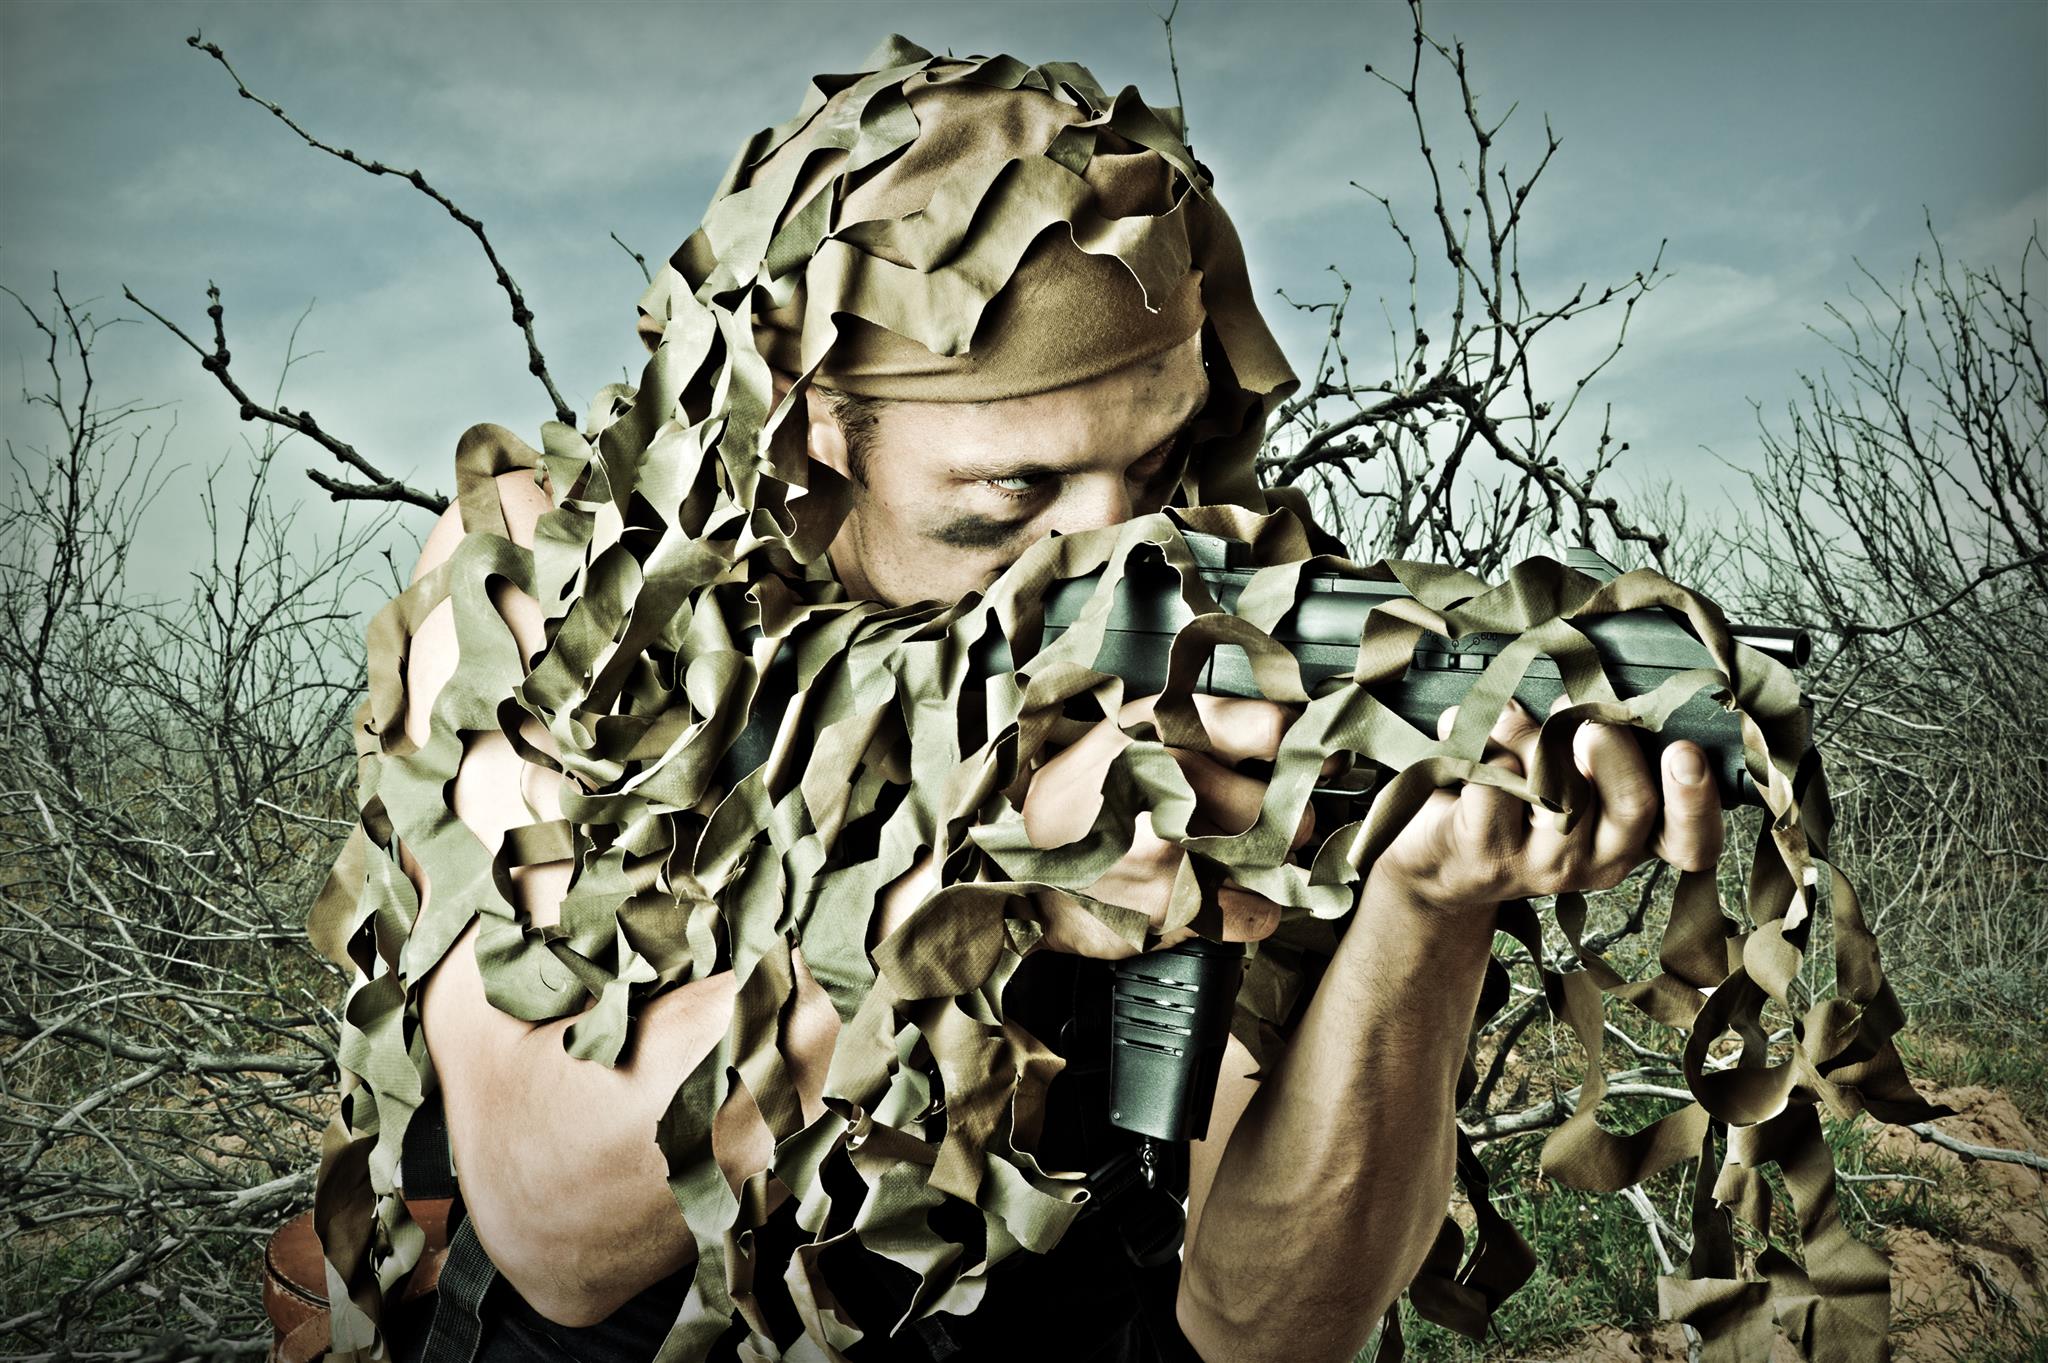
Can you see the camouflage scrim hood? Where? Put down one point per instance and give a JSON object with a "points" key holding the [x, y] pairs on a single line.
{"points": [[964, 230], [941, 230]]}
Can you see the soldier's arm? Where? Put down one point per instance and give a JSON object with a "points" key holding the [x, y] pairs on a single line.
{"points": [[1321, 1188], [557, 1157]]}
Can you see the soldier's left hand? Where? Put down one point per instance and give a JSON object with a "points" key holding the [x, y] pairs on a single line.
{"points": [[1471, 847]]}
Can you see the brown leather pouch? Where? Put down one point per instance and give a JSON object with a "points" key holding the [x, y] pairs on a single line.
{"points": [[295, 1280]]}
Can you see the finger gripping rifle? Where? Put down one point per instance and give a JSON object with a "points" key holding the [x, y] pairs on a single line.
{"points": [[1171, 1009]]}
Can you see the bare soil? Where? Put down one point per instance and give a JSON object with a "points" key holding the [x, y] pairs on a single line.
{"points": [[1959, 1298]]}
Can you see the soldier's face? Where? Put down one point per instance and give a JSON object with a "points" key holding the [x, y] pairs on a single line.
{"points": [[956, 491]]}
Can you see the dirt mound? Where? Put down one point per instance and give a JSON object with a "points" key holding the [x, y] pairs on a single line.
{"points": [[1966, 1295], [1663, 1344], [1952, 1294]]}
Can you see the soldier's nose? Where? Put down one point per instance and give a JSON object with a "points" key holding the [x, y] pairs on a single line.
{"points": [[1095, 504]]}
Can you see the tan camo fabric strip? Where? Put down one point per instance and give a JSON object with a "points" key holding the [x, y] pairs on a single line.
{"points": [[685, 552]]}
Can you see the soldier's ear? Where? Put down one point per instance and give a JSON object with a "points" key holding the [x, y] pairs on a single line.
{"points": [[824, 435]]}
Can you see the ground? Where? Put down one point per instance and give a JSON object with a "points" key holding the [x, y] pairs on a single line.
{"points": [[1969, 1280]]}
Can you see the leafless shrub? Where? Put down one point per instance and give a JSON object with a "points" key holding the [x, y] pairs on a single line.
{"points": [[1900, 517], [174, 786], [1460, 453]]}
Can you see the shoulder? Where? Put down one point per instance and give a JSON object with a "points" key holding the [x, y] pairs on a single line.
{"points": [[432, 654], [523, 501]]}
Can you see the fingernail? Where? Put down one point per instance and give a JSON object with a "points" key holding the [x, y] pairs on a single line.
{"points": [[1687, 767]]}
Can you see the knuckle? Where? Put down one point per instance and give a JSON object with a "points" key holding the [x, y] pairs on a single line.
{"points": [[1479, 833], [1252, 917], [1572, 866], [1439, 845], [1632, 806], [1513, 720], [1489, 832], [1507, 761]]}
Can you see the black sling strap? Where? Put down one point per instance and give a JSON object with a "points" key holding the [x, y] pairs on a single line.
{"points": [[427, 1169], [466, 1278]]}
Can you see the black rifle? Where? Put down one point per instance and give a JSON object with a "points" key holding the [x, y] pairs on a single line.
{"points": [[1170, 1014], [1171, 1009]]}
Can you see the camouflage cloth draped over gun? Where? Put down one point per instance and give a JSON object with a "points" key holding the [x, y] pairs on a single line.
{"points": [[685, 555]]}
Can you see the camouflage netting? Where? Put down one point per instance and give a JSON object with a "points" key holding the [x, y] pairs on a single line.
{"points": [[686, 552]]}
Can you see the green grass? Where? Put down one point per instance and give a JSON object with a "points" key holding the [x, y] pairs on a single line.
{"points": [[1594, 1264], [2009, 1054], [2027, 1343], [2004, 1337], [1929, 1197]]}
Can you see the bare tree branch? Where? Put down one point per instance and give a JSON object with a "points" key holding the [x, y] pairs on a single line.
{"points": [[1391, 462], [646, 276], [215, 362], [522, 315], [1971, 1150]]}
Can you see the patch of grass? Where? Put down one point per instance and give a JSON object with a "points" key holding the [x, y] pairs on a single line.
{"points": [[1928, 1196], [1995, 1050], [1594, 1265], [2029, 1344], [1962, 1335]]}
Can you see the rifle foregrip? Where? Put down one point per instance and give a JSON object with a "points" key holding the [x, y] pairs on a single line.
{"points": [[1169, 1020], [1171, 1013]]}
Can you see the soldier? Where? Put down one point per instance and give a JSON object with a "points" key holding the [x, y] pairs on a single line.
{"points": [[952, 308]]}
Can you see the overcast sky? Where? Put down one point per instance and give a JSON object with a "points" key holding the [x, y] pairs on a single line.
{"points": [[1772, 144]]}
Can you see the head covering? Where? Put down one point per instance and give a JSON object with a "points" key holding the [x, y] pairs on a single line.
{"points": [[896, 301], [945, 230]]}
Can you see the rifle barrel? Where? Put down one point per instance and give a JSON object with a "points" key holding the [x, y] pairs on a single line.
{"points": [[1789, 646]]}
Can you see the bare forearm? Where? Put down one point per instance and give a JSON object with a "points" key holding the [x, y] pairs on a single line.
{"points": [[558, 1160], [1335, 1180], [559, 1166]]}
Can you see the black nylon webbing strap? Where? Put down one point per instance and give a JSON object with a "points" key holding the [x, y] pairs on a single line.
{"points": [[426, 1160], [466, 1278], [935, 1339]]}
